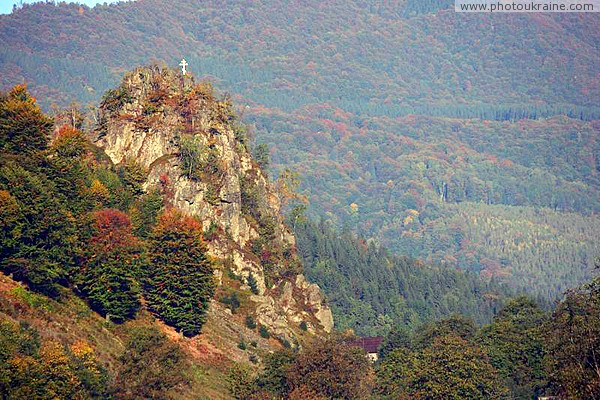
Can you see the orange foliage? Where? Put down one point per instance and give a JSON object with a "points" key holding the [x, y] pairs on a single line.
{"points": [[56, 363], [67, 131], [20, 92], [68, 136], [304, 393], [174, 220], [113, 230]]}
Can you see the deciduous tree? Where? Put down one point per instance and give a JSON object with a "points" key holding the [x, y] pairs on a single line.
{"points": [[114, 257]]}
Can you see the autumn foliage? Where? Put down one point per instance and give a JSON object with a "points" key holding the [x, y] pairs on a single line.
{"points": [[114, 258]]}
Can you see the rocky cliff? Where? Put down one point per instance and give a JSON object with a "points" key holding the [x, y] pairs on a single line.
{"points": [[195, 153]]}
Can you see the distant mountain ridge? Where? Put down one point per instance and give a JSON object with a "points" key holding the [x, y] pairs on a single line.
{"points": [[348, 53]]}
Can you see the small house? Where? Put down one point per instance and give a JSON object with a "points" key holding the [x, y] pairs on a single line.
{"points": [[369, 344]]}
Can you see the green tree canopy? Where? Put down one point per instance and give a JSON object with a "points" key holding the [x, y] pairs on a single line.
{"points": [[573, 344], [332, 369], [114, 257], [514, 343], [179, 282], [24, 129]]}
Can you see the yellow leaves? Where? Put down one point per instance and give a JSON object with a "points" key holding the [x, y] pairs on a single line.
{"points": [[409, 219], [99, 192], [354, 208], [420, 166], [9, 209], [204, 90], [287, 184], [85, 353], [22, 364], [20, 92], [53, 355], [82, 350], [55, 363]]}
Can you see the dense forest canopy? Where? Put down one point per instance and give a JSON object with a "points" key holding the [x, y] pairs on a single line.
{"points": [[357, 55], [372, 291], [523, 353]]}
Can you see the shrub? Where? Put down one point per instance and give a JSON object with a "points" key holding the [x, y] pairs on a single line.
{"points": [[250, 323], [150, 366], [264, 332], [240, 382], [34, 369], [232, 301], [197, 158], [253, 284]]}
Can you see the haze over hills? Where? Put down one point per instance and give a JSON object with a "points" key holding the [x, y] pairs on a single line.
{"points": [[404, 119], [354, 54]]}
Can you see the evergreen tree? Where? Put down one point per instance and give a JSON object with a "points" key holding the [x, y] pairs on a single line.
{"points": [[179, 280], [40, 238], [24, 129]]}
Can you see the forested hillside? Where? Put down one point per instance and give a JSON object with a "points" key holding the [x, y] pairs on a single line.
{"points": [[523, 353], [363, 57], [516, 200], [421, 128], [372, 291]]}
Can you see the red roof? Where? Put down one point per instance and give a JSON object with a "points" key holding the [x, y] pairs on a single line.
{"points": [[369, 344]]}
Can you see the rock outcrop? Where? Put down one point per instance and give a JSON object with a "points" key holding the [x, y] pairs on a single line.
{"points": [[196, 154]]}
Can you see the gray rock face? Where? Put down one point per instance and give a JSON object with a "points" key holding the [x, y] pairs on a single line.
{"points": [[144, 121]]}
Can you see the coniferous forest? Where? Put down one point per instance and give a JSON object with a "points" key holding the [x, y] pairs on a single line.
{"points": [[324, 172]]}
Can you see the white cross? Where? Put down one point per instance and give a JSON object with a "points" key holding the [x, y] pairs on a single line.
{"points": [[183, 64]]}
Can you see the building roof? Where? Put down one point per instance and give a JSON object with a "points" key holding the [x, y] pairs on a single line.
{"points": [[369, 344]]}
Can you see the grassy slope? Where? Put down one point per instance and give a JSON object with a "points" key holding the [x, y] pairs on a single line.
{"points": [[71, 320]]}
